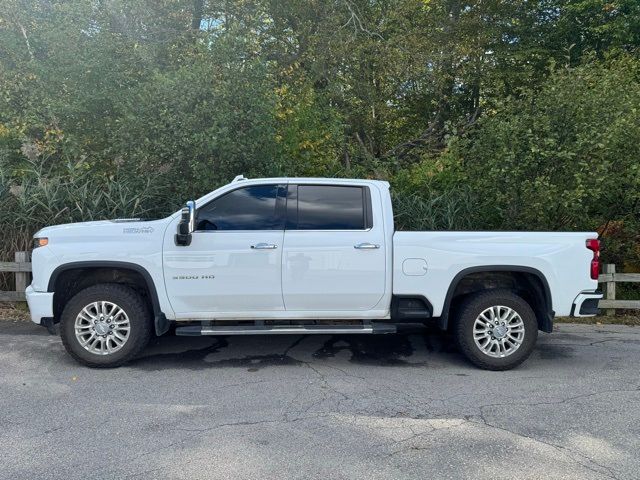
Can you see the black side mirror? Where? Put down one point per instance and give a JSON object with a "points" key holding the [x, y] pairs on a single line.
{"points": [[186, 226]]}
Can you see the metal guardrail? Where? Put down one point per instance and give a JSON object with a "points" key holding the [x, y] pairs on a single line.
{"points": [[21, 267]]}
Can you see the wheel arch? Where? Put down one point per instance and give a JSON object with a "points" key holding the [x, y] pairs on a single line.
{"points": [[94, 267], [541, 293]]}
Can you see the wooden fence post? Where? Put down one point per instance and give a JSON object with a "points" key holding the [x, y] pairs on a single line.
{"points": [[22, 278], [610, 292]]}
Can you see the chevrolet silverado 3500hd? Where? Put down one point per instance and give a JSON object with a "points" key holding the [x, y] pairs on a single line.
{"points": [[302, 256]]}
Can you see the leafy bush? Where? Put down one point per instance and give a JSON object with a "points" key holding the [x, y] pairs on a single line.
{"points": [[565, 156]]}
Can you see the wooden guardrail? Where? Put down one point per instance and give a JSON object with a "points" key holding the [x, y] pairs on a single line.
{"points": [[21, 267], [609, 277]]}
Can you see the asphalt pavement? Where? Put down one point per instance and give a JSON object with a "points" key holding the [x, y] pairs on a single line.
{"points": [[322, 407]]}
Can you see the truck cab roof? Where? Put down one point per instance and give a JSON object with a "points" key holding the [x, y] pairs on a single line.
{"points": [[319, 180]]}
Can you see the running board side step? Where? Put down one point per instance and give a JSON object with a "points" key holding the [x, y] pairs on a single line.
{"points": [[197, 330]]}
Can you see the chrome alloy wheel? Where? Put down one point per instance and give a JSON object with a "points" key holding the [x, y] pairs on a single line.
{"points": [[498, 331], [102, 328]]}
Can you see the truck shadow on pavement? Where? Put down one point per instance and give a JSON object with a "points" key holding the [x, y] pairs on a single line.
{"points": [[412, 346], [409, 348]]}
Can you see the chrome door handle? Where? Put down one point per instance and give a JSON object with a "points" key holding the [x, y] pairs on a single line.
{"points": [[264, 246], [366, 246]]}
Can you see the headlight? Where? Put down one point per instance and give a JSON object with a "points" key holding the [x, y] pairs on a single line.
{"points": [[40, 242]]}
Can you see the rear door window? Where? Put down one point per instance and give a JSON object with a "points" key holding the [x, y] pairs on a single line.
{"points": [[329, 207]]}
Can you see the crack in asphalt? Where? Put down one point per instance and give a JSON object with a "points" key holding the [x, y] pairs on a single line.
{"points": [[561, 448], [610, 472], [563, 400], [199, 431]]}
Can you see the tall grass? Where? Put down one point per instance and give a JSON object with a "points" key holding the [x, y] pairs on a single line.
{"points": [[41, 198], [451, 210]]}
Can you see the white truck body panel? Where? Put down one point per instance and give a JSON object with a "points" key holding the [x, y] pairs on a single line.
{"points": [[220, 272], [130, 242], [325, 271], [310, 274], [553, 254]]}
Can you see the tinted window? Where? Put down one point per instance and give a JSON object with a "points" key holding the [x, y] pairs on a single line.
{"points": [[249, 208], [322, 207]]}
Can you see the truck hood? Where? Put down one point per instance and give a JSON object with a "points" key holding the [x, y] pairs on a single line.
{"points": [[122, 227], [107, 241]]}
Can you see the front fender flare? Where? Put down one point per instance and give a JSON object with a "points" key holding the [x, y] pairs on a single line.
{"points": [[160, 320]]}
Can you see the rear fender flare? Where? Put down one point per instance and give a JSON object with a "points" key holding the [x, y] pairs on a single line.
{"points": [[545, 319]]}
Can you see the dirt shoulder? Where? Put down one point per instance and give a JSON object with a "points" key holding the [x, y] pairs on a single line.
{"points": [[617, 319], [14, 311]]}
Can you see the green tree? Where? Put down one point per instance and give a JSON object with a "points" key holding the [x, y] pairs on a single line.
{"points": [[561, 157]]}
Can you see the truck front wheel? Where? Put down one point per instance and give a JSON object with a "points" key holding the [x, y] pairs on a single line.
{"points": [[495, 329], [105, 325]]}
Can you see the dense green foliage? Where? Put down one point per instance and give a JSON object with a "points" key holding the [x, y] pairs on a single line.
{"points": [[504, 114], [563, 156]]}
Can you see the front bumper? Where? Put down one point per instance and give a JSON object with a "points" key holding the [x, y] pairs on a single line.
{"points": [[40, 304], [586, 304]]}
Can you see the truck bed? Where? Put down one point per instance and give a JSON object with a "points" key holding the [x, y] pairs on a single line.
{"points": [[427, 262]]}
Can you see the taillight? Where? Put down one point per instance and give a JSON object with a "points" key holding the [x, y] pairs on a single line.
{"points": [[594, 245]]}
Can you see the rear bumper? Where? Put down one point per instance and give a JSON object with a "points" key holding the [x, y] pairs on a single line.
{"points": [[40, 304], [586, 304]]}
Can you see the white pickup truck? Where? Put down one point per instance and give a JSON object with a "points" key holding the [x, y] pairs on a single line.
{"points": [[301, 256]]}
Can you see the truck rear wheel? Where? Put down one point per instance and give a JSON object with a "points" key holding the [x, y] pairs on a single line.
{"points": [[496, 329], [105, 325]]}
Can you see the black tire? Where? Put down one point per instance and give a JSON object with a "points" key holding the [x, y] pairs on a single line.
{"points": [[463, 328], [134, 307]]}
